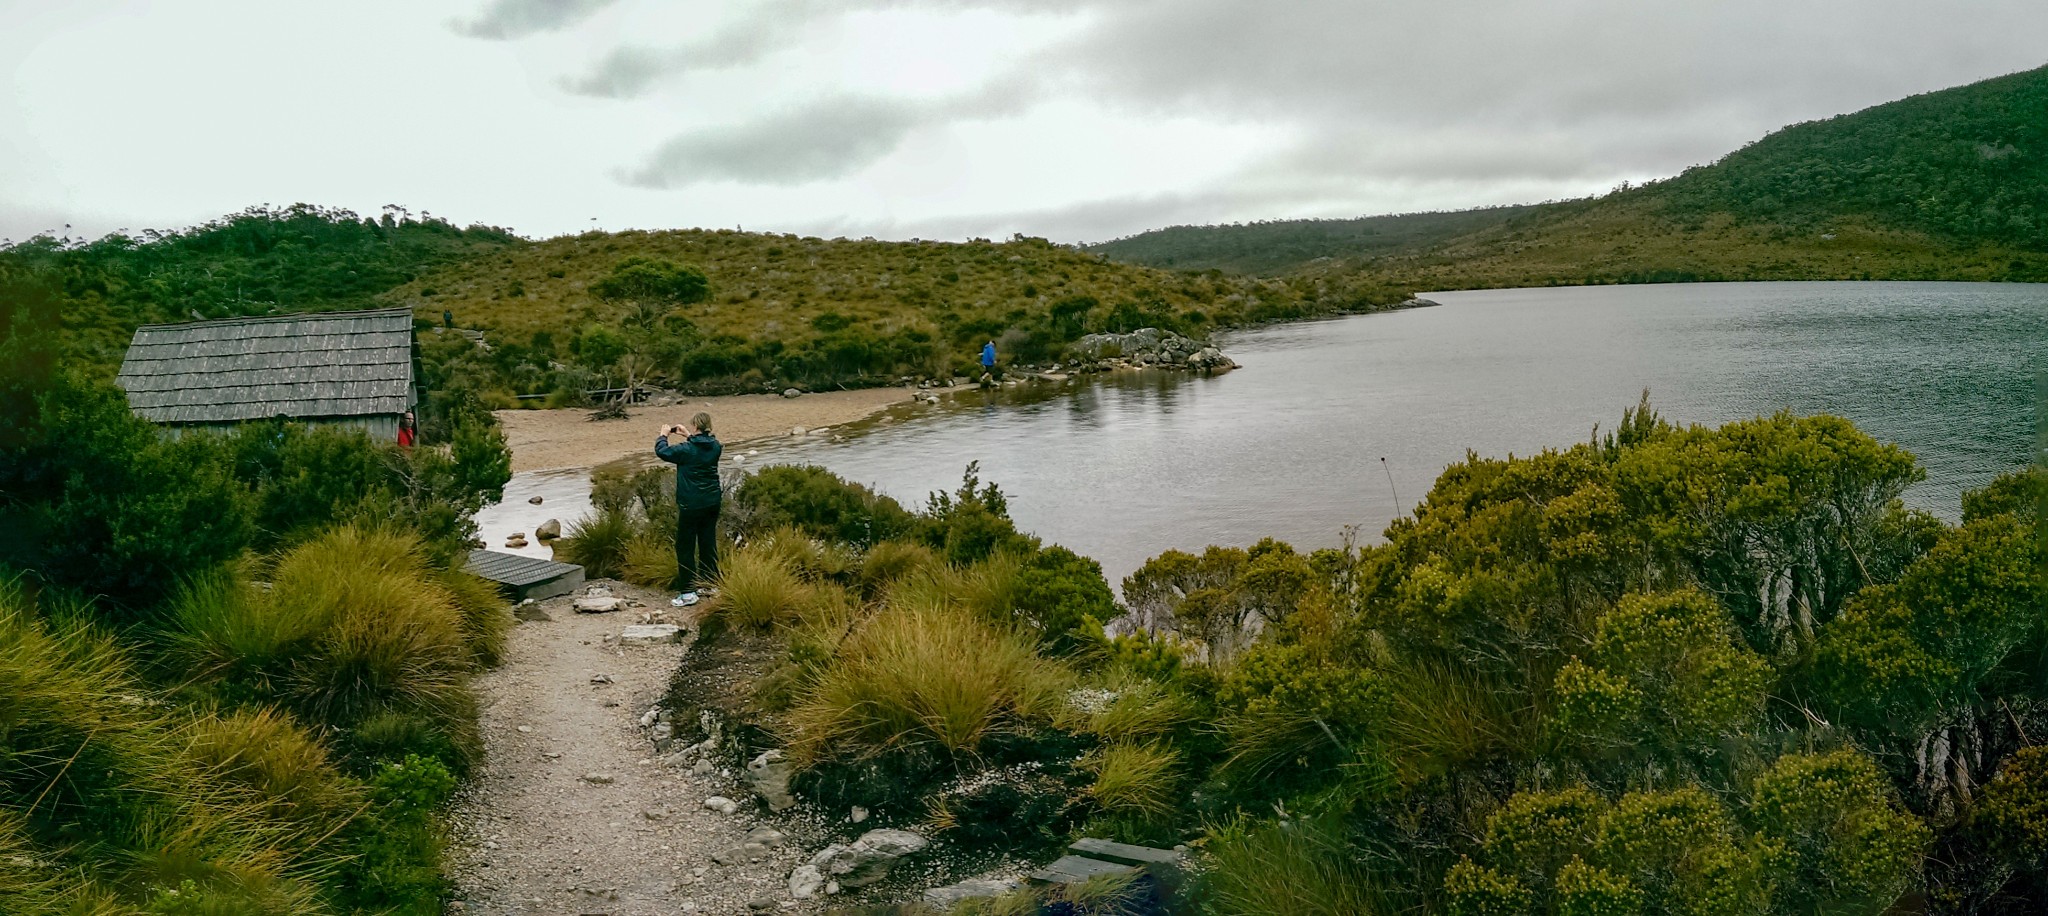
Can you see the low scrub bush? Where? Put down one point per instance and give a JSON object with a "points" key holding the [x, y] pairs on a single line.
{"points": [[286, 772], [924, 673], [820, 504], [1062, 597]]}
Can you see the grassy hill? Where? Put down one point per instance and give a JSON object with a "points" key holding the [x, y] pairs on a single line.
{"points": [[1946, 185], [785, 309]]}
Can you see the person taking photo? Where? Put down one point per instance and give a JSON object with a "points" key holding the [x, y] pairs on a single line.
{"points": [[695, 454]]}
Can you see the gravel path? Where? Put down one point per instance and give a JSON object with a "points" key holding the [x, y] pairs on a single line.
{"points": [[572, 811]]}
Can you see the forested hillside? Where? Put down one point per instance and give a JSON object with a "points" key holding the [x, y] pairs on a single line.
{"points": [[1273, 246], [1946, 185]]}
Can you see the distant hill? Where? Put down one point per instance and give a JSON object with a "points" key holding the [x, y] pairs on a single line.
{"points": [[1946, 185], [1274, 246]]}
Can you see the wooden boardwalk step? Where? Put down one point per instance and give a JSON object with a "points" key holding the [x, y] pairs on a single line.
{"points": [[525, 577], [1076, 869], [1124, 853]]}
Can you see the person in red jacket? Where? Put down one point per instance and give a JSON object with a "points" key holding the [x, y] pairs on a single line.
{"points": [[407, 430]]}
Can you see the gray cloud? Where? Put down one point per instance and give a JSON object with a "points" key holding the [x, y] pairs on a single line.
{"points": [[829, 139], [632, 71], [506, 19]]}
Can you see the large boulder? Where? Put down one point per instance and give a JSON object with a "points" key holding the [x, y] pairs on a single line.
{"points": [[549, 530]]}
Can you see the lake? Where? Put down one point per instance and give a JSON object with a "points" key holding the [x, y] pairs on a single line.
{"points": [[1347, 422]]}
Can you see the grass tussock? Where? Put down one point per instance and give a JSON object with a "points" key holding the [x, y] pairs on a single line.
{"points": [[758, 588], [356, 627], [486, 616], [921, 672], [1133, 779], [890, 562], [1143, 709], [215, 816], [599, 542], [1290, 869], [650, 560]]}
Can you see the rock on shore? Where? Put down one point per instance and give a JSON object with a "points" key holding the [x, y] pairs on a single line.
{"points": [[1154, 348]]}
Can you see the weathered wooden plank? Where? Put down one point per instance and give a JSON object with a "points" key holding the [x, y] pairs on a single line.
{"points": [[1076, 869], [1124, 853]]}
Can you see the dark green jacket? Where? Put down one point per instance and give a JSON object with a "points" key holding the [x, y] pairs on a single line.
{"points": [[696, 461]]}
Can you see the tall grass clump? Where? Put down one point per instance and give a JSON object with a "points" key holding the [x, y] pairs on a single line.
{"points": [[924, 673], [1135, 780], [285, 773], [650, 560], [88, 752], [890, 562], [758, 588], [1294, 868], [486, 617], [599, 542], [357, 631]]}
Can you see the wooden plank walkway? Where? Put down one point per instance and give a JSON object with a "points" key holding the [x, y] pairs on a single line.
{"points": [[525, 577]]}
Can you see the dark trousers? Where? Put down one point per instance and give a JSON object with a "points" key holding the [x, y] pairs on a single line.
{"points": [[696, 547]]}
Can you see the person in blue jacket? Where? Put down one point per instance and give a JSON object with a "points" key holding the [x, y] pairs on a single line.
{"points": [[988, 358], [698, 498]]}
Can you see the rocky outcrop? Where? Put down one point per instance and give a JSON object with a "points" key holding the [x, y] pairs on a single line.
{"points": [[1150, 348], [867, 861]]}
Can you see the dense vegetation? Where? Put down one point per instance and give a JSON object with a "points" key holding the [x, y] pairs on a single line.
{"points": [[233, 667], [1946, 185], [1669, 670], [1275, 246], [775, 311]]}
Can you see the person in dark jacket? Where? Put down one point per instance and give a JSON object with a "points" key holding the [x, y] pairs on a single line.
{"points": [[698, 498]]}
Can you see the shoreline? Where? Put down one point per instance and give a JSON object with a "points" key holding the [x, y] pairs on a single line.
{"points": [[565, 438]]}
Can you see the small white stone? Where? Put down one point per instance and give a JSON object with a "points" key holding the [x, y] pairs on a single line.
{"points": [[721, 804]]}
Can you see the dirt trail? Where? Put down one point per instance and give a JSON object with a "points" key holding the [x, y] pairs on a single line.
{"points": [[572, 811]]}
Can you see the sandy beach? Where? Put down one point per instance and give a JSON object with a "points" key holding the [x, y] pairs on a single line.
{"points": [[567, 438]]}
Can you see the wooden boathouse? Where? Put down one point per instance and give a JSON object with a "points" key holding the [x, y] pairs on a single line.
{"points": [[342, 368]]}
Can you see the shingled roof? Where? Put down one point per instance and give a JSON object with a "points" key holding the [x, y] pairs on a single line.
{"points": [[332, 364]]}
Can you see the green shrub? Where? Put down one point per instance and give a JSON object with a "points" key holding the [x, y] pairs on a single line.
{"points": [[398, 842], [1294, 723], [924, 673], [1844, 842], [971, 523], [1062, 597], [821, 504]]}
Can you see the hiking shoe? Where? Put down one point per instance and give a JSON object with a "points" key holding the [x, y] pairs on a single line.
{"points": [[683, 600]]}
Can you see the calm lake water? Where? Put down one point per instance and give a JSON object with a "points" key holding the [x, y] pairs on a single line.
{"points": [[1124, 467]]}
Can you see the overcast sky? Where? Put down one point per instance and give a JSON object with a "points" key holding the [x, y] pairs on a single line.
{"points": [[1077, 120]]}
